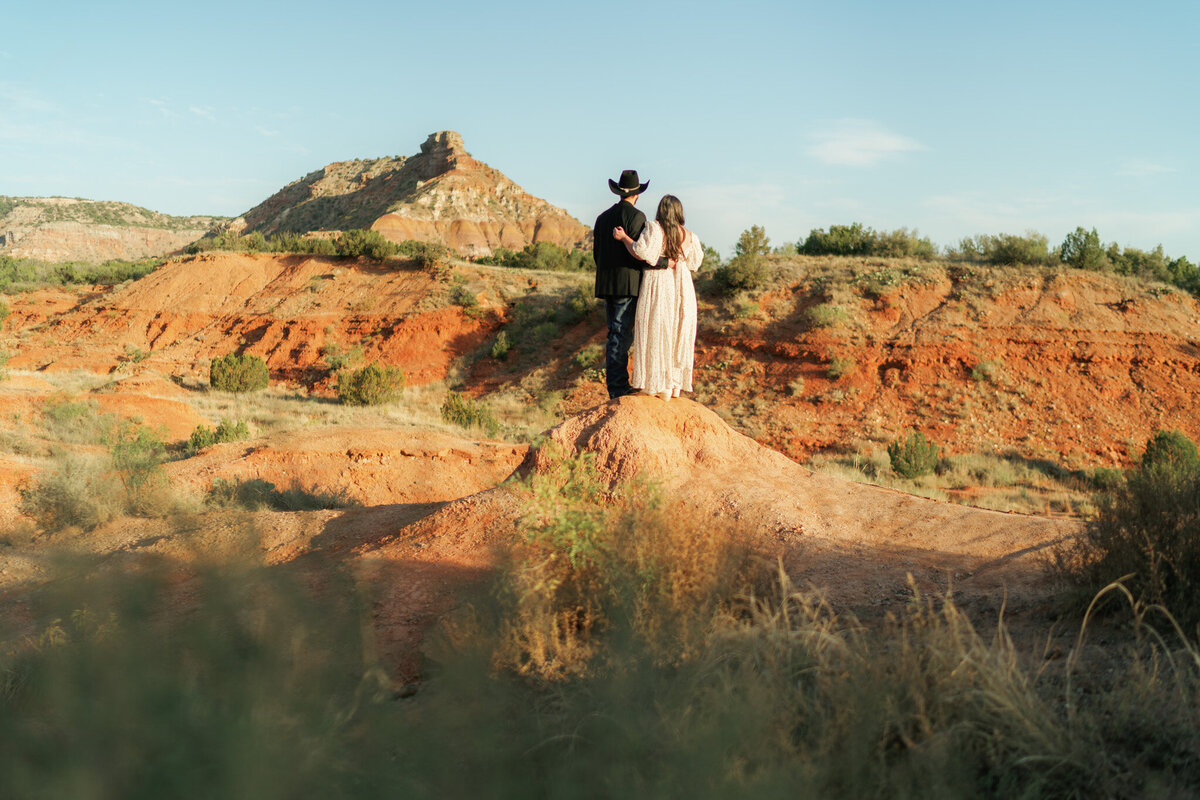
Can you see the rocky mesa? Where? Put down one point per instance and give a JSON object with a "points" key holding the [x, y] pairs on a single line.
{"points": [[58, 229], [440, 194]]}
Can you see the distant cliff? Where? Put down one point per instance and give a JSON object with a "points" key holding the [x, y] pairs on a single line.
{"points": [[68, 229], [440, 194]]}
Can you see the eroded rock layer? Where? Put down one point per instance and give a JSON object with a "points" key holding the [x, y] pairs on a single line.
{"points": [[441, 194]]}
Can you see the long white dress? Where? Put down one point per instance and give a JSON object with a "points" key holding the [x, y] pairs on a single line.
{"points": [[664, 328]]}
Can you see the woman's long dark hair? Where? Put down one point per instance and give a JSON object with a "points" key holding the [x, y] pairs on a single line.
{"points": [[670, 216]]}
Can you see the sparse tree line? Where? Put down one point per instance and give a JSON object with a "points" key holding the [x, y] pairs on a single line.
{"points": [[1081, 249], [359, 243], [356, 243], [26, 274]]}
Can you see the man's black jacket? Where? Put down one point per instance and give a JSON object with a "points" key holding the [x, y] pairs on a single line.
{"points": [[618, 274]]}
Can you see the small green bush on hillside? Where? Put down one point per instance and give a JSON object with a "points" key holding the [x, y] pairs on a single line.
{"points": [[459, 409], [238, 373], [338, 358], [429, 256], [137, 454], [1171, 450], [747, 270], [826, 315], [370, 386], [75, 490], [463, 297], [545, 256], [500, 346], [261, 495], [358, 243], [1145, 534], [913, 456], [839, 368], [226, 431]]}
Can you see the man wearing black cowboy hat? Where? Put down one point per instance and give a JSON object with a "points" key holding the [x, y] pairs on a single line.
{"points": [[618, 276]]}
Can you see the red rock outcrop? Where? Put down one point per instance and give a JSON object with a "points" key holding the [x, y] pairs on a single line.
{"points": [[441, 194]]}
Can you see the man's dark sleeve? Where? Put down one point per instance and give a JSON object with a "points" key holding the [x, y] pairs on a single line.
{"points": [[596, 240]]}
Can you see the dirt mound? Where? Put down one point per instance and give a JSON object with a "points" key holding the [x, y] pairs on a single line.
{"points": [[859, 543], [370, 466], [696, 455]]}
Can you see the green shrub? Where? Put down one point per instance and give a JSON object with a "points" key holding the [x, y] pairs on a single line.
{"points": [[839, 368], [430, 256], [589, 356], [226, 431], [88, 490], [338, 359], [826, 315], [545, 256], [914, 456], [302, 243], [901, 243], [370, 386], [1107, 479], [76, 422], [261, 495], [501, 346], [76, 490], [1170, 450], [746, 271], [594, 558], [841, 240], [858, 240], [988, 371], [1032, 249], [4, 311], [238, 373], [1146, 534], [461, 296], [459, 409], [1082, 250], [579, 304], [137, 454], [742, 273], [364, 243]]}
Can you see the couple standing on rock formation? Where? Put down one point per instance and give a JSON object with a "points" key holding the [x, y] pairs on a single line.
{"points": [[644, 275]]}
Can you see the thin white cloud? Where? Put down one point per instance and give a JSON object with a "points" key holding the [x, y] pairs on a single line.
{"points": [[1141, 168], [858, 143], [164, 108], [266, 131], [203, 111], [14, 98]]}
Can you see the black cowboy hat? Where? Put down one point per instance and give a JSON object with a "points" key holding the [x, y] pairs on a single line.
{"points": [[628, 185]]}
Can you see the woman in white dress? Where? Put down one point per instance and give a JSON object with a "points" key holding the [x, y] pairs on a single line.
{"points": [[664, 329]]}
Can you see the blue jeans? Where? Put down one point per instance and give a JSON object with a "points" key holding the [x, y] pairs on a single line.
{"points": [[620, 313]]}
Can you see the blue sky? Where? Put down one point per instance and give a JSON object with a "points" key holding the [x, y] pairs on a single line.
{"points": [[954, 118]]}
